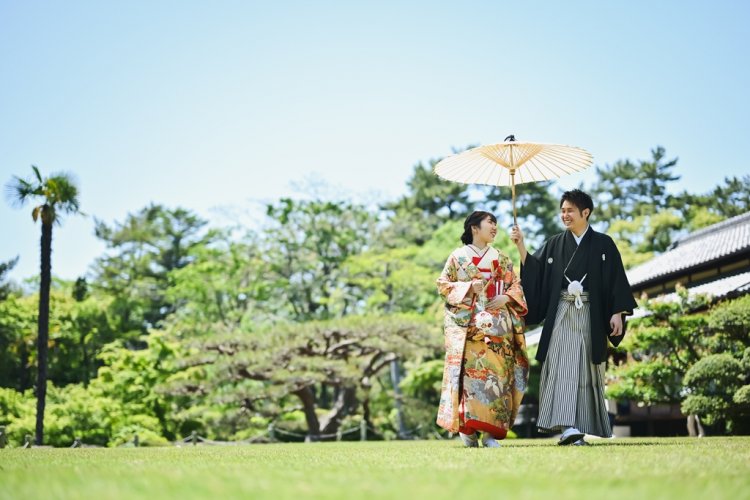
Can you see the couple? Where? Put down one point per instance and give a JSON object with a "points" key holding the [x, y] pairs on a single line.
{"points": [[575, 283]]}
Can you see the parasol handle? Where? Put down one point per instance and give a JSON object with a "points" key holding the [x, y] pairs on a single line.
{"points": [[512, 177], [513, 194]]}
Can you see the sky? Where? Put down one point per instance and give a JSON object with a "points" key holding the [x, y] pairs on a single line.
{"points": [[222, 106]]}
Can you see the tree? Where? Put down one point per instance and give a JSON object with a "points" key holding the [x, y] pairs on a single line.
{"points": [[732, 198], [718, 386], [225, 284], [83, 328], [680, 354], [18, 316], [141, 253], [538, 208], [5, 287], [627, 190], [726, 200], [58, 195], [432, 195], [714, 385], [305, 248], [430, 202], [662, 347], [260, 371], [632, 203]]}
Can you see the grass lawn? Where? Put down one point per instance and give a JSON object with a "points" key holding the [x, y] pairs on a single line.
{"points": [[707, 468]]}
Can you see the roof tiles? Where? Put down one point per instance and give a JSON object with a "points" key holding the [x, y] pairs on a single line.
{"points": [[706, 245]]}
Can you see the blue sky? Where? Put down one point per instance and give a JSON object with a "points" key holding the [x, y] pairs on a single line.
{"points": [[220, 106]]}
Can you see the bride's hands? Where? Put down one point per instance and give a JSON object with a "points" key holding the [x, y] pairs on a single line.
{"points": [[498, 302]]}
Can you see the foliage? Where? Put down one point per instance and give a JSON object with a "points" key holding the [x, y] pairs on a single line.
{"points": [[725, 200], [732, 318], [307, 244], [662, 346], [700, 360], [141, 252], [226, 283], [712, 383], [57, 195], [6, 288], [180, 327], [120, 402], [538, 209], [432, 197], [424, 380], [77, 332], [258, 370], [18, 315], [626, 189]]}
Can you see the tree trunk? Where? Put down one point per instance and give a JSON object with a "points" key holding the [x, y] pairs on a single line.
{"points": [[397, 398], [43, 327], [695, 429], [308, 404], [346, 402], [85, 360], [25, 380]]}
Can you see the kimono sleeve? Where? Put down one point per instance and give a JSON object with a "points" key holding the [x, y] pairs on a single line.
{"points": [[620, 297], [532, 277], [515, 292], [452, 290]]}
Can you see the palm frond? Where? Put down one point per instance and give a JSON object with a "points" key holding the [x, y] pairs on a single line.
{"points": [[38, 175], [63, 192], [18, 191], [57, 193]]}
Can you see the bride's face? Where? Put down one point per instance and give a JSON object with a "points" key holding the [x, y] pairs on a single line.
{"points": [[486, 231]]}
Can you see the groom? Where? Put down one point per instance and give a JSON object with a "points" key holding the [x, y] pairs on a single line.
{"points": [[576, 284]]}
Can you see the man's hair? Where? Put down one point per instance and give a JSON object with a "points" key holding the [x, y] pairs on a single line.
{"points": [[580, 199]]}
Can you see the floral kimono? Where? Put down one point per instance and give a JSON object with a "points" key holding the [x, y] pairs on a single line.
{"points": [[485, 372]]}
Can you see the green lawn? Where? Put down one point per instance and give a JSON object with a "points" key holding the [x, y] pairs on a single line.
{"points": [[637, 469]]}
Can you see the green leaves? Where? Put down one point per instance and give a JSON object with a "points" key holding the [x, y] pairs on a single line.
{"points": [[57, 193], [714, 385], [679, 355], [37, 174]]}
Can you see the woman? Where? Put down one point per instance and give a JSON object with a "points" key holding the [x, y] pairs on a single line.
{"points": [[486, 370]]}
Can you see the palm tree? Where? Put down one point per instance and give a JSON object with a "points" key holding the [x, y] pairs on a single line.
{"points": [[57, 194]]}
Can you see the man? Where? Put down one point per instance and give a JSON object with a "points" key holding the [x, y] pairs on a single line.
{"points": [[576, 284]]}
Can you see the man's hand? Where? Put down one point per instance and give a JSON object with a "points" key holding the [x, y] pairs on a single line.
{"points": [[498, 302], [615, 322], [516, 236]]}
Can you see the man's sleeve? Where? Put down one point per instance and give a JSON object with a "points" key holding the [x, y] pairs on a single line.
{"points": [[532, 281], [621, 298]]}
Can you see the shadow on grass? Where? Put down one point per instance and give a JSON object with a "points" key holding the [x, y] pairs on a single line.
{"points": [[599, 443]]}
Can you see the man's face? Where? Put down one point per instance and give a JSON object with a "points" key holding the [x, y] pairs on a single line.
{"points": [[572, 218]]}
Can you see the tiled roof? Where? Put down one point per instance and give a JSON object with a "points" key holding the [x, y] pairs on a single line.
{"points": [[719, 289], [726, 238]]}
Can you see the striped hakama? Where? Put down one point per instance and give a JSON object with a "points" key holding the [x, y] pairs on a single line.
{"points": [[572, 388]]}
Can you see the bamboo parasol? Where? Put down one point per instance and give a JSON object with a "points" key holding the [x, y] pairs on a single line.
{"points": [[511, 162]]}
